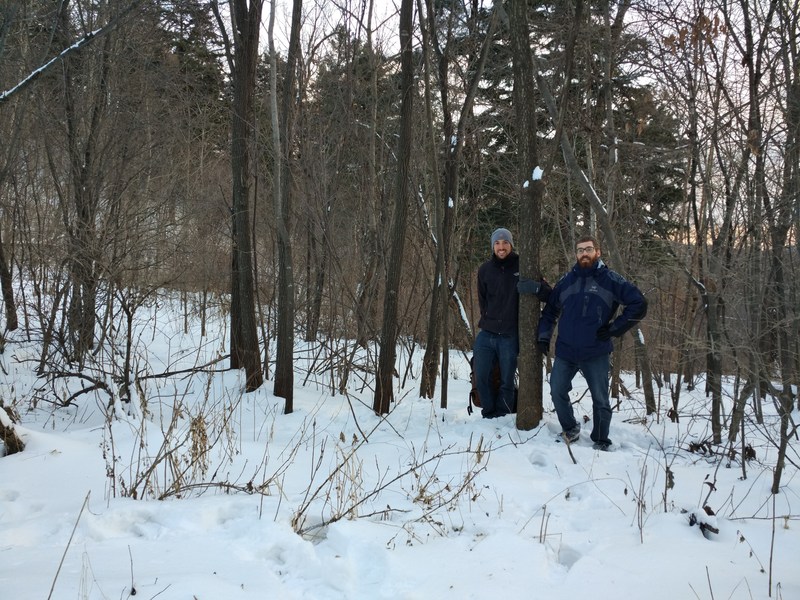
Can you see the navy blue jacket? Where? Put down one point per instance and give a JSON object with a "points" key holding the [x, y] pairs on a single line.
{"points": [[497, 294], [583, 301]]}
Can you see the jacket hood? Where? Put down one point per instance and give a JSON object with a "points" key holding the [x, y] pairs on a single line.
{"points": [[504, 261]]}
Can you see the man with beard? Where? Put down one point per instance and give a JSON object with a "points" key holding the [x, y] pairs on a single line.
{"points": [[584, 303]]}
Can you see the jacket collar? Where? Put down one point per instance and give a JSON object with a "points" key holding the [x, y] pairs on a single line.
{"points": [[504, 261]]}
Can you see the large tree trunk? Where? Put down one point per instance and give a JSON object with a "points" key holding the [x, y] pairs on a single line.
{"points": [[244, 332], [284, 357], [430, 361], [388, 351], [529, 404]]}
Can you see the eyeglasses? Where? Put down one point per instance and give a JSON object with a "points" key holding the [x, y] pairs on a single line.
{"points": [[586, 250]]}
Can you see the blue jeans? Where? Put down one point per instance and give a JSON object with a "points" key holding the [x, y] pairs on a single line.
{"points": [[490, 349], [595, 372]]}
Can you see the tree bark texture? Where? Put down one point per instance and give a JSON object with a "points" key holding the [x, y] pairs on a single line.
{"points": [[388, 350], [244, 331], [529, 403], [284, 356]]}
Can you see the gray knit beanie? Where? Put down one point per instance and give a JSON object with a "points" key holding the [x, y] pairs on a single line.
{"points": [[501, 234]]}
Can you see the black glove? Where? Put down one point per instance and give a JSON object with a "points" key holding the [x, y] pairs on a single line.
{"points": [[604, 333], [528, 286], [544, 346], [544, 291]]}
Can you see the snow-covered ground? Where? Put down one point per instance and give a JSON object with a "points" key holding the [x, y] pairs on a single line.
{"points": [[202, 491]]}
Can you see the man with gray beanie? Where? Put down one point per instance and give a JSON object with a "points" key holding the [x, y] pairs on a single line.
{"points": [[497, 342]]}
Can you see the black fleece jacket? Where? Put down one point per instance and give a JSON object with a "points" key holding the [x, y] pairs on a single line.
{"points": [[497, 294]]}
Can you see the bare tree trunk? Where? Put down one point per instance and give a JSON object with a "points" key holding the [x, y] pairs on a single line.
{"points": [[244, 331], [714, 305], [284, 356], [366, 293], [9, 303], [317, 252], [683, 346], [791, 190], [530, 407], [779, 215], [388, 351], [780, 221], [430, 361]]}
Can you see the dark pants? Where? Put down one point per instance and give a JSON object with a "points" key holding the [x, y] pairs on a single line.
{"points": [[491, 348], [595, 372]]}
